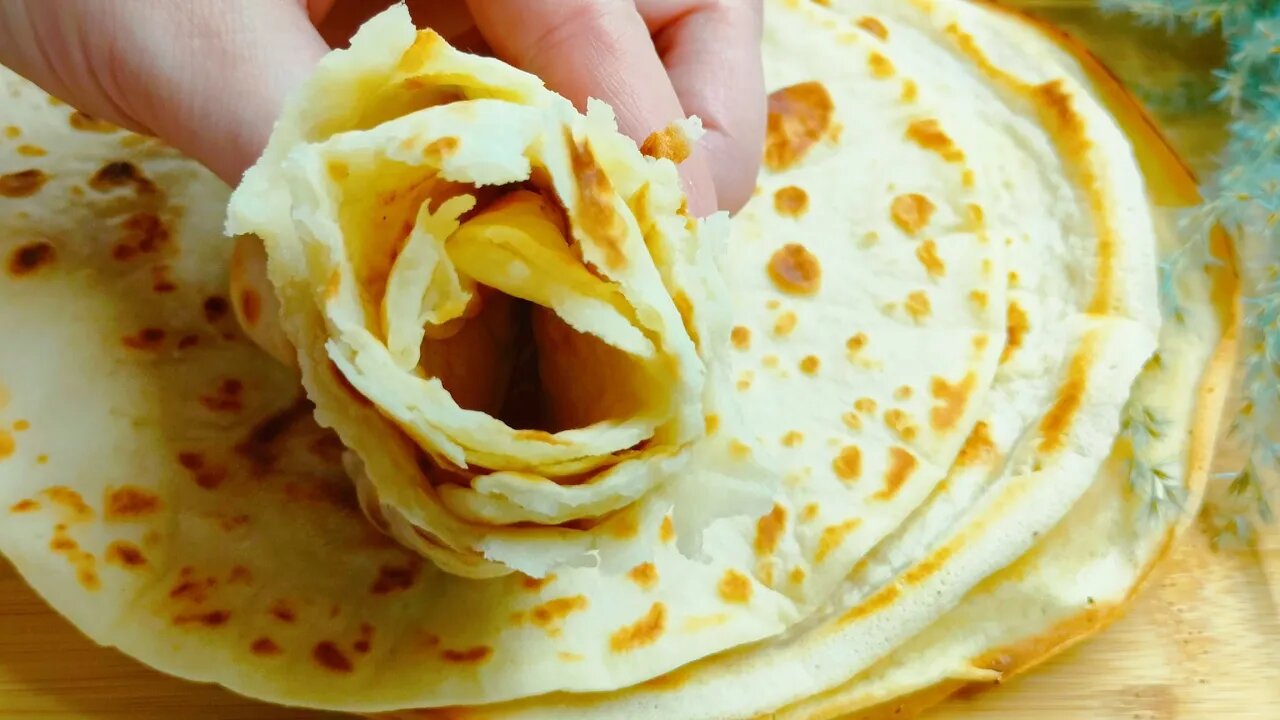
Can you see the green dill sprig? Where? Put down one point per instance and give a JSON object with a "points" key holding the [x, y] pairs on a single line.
{"points": [[1242, 197], [1163, 494]]}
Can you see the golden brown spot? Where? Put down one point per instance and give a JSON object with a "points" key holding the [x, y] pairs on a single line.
{"points": [[226, 398], [795, 271], [851, 421], [952, 400], [865, 405], [667, 530], [848, 464], [394, 579], [799, 116], [330, 657], [211, 619], [22, 184], [250, 306], [927, 254], [978, 298], [24, 506], [968, 179], [739, 450], [128, 503], [1016, 330], [792, 439], [643, 632], [1056, 422], [597, 217], [125, 554], [909, 91], [215, 308], [439, 150], [911, 212], [40, 459], [669, 143], [12, 131], [772, 304], [282, 612], [877, 602], [900, 422], [32, 151], [119, 174], [904, 392], [338, 171], [785, 323], [71, 501], [264, 647], [144, 232], [645, 575], [809, 365], [744, 382], [741, 337], [930, 565], [551, 614], [533, 584], [881, 66], [146, 339], [791, 201], [833, 537], [929, 135], [88, 123], [734, 588], [684, 306], [856, 342], [30, 258], [918, 306], [977, 217], [901, 464], [979, 342], [796, 576], [873, 26], [205, 476], [712, 423], [810, 512], [978, 447], [769, 530]]}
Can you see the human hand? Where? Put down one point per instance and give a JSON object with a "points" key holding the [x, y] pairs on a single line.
{"points": [[210, 76]]}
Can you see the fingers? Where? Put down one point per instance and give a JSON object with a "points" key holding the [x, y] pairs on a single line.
{"points": [[207, 76], [601, 49], [216, 84], [711, 49]]}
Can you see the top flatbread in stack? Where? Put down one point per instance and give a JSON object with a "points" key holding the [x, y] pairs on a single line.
{"points": [[722, 483]]}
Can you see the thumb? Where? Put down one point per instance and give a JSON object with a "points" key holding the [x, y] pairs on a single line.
{"points": [[207, 76]]}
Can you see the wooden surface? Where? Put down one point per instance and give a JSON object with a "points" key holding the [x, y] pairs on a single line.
{"points": [[1201, 643]]}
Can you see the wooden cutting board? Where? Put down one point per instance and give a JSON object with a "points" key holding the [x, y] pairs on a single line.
{"points": [[1202, 642]]}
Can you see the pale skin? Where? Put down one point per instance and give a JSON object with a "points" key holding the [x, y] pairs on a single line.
{"points": [[210, 76]]}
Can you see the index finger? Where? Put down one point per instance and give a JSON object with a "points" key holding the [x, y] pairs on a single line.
{"points": [[600, 49]]}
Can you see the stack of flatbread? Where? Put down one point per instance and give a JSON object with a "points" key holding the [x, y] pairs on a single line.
{"points": [[536, 443]]}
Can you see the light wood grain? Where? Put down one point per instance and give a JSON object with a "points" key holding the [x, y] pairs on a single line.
{"points": [[1201, 643]]}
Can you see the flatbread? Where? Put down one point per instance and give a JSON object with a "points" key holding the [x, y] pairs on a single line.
{"points": [[799, 476]]}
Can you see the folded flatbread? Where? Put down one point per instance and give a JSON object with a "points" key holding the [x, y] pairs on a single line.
{"points": [[544, 446]]}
